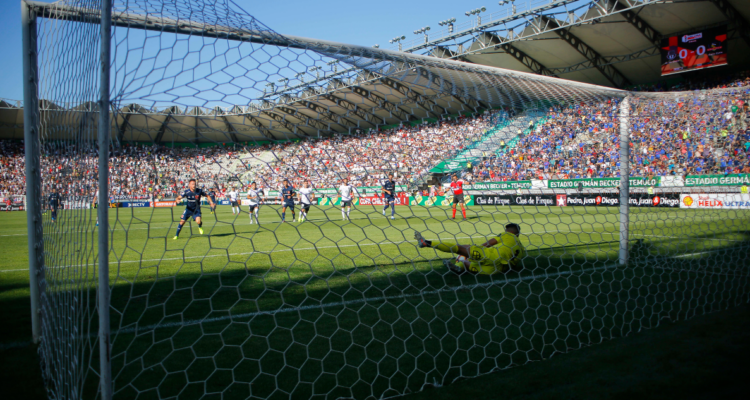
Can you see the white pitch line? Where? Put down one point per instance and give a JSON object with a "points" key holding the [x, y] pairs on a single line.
{"points": [[360, 301], [349, 302], [688, 237], [286, 250]]}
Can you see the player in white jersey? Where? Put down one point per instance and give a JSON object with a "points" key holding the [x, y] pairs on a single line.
{"points": [[234, 196], [253, 197], [305, 196], [346, 192]]}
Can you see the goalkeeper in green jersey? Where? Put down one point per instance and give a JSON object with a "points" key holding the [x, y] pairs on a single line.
{"points": [[499, 254]]}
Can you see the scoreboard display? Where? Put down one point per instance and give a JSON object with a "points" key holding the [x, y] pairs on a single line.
{"points": [[694, 51]]}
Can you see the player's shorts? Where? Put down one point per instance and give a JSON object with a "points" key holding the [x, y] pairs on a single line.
{"points": [[346, 203], [458, 198], [488, 260], [235, 204], [213, 200], [389, 199], [305, 207], [191, 213], [253, 207], [289, 206]]}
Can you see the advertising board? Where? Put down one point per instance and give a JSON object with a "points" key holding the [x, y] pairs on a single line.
{"points": [[716, 201]]}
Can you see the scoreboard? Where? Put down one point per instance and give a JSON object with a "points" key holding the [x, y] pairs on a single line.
{"points": [[694, 51]]}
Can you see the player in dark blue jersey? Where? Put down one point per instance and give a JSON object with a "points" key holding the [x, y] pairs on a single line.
{"points": [[389, 195], [54, 202], [212, 196], [192, 198], [287, 198]]}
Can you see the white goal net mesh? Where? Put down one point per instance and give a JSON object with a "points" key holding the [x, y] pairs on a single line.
{"points": [[293, 267]]}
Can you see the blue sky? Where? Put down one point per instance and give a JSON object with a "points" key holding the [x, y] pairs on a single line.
{"points": [[349, 21]]}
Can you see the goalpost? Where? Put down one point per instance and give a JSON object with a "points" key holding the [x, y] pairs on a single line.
{"points": [[135, 101]]}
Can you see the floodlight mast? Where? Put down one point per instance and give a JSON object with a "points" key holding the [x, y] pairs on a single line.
{"points": [[398, 40], [448, 22], [423, 30], [476, 12]]}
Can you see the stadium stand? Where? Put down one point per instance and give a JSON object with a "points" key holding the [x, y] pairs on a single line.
{"points": [[571, 141], [581, 141]]}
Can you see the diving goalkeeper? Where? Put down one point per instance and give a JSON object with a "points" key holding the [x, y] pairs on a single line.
{"points": [[485, 259]]}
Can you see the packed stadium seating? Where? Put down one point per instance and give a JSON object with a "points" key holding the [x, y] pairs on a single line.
{"points": [[691, 137], [570, 141]]}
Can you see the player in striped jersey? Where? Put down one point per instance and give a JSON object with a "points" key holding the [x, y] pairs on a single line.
{"points": [[254, 199]]}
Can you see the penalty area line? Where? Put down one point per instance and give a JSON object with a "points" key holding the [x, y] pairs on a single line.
{"points": [[268, 252], [147, 328]]}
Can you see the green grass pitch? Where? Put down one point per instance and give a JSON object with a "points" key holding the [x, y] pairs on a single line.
{"points": [[330, 308]]}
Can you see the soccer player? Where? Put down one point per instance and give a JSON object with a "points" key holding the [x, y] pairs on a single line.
{"points": [[485, 259], [54, 202], [389, 195], [192, 206], [346, 192], [287, 198], [212, 196], [234, 196], [305, 197], [457, 187], [253, 196]]}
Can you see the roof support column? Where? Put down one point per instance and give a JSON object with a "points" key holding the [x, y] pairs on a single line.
{"points": [[612, 74], [740, 23]]}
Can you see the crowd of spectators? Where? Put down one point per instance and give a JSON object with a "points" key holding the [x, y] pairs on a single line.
{"points": [[699, 134], [366, 158], [695, 134]]}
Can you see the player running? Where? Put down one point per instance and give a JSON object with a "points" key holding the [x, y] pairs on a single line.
{"points": [[389, 195], [234, 198], [305, 196], [54, 202], [287, 198], [192, 206], [346, 192], [253, 197], [484, 259], [457, 187], [212, 196]]}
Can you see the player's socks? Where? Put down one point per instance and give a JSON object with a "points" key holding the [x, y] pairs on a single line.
{"points": [[347, 214], [283, 217], [393, 210], [463, 211], [343, 214], [454, 213], [179, 228], [445, 247]]}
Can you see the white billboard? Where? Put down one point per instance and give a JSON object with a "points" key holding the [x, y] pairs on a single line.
{"points": [[715, 201]]}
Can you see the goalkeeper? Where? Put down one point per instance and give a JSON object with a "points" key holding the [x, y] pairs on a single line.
{"points": [[485, 259]]}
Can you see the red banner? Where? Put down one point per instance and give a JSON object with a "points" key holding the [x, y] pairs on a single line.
{"points": [[401, 200], [163, 204]]}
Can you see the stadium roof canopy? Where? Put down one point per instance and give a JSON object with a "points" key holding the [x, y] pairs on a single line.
{"points": [[355, 87], [605, 42]]}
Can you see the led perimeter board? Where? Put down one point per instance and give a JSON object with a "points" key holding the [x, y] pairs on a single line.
{"points": [[693, 51]]}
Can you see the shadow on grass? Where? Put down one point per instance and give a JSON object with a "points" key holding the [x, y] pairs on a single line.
{"points": [[377, 327]]}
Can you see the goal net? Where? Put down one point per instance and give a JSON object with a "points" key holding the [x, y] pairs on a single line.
{"points": [[321, 250]]}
